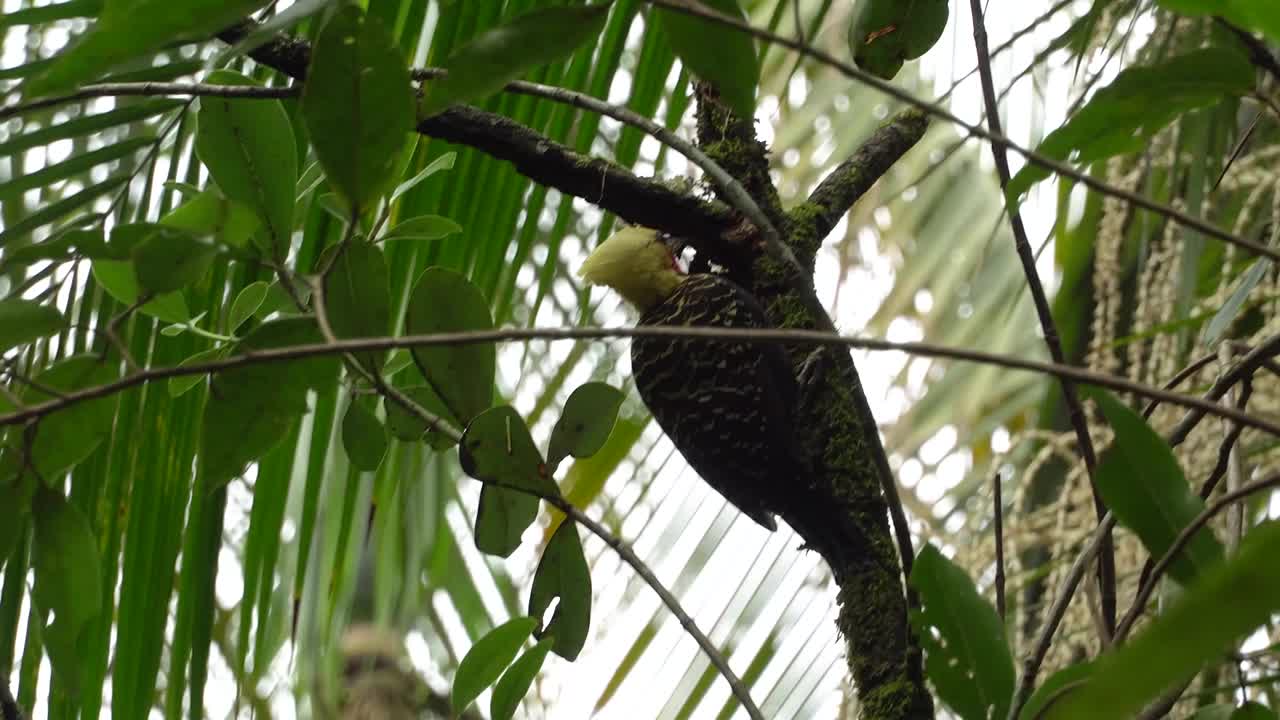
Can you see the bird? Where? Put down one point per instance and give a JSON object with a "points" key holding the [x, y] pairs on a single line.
{"points": [[725, 405]]}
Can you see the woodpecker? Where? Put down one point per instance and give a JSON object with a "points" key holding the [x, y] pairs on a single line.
{"points": [[725, 405]]}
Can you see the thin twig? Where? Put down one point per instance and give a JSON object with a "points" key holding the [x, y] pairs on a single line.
{"points": [[149, 89], [797, 337], [997, 506], [1031, 663], [1075, 410], [1186, 372], [1246, 367]]}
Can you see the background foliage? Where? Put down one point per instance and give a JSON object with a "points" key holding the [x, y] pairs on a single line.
{"points": [[215, 540]]}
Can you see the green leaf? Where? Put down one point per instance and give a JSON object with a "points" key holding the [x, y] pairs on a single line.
{"points": [[969, 660], [363, 437], [1066, 680], [250, 408], [423, 227], [484, 662], [1263, 17], [884, 34], [517, 680], [1141, 482], [444, 301], [357, 297], [169, 259], [211, 213], [1192, 631], [502, 54], [1253, 711], [118, 279], [399, 360], [22, 321], [68, 580], [1230, 309], [721, 55], [585, 424], [404, 425], [357, 104], [497, 450], [16, 499], [246, 304], [1125, 115], [444, 162], [248, 146], [335, 205], [180, 384], [61, 245], [563, 573], [61, 440], [129, 29]]}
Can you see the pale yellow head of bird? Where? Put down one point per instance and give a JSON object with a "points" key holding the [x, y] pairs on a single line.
{"points": [[637, 264]]}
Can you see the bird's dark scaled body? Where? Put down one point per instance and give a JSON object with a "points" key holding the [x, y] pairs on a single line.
{"points": [[726, 405]]}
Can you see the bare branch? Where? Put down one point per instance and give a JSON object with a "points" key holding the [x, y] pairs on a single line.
{"points": [[794, 337], [1075, 410]]}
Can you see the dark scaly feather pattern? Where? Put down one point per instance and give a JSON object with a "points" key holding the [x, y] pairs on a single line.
{"points": [[725, 405]]}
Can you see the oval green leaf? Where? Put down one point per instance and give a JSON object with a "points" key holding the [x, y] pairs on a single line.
{"points": [[63, 439], [484, 662], [563, 573], [497, 450], [357, 104], [357, 297], [246, 304], [363, 437], [502, 54], [129, 29], [423, 227], [118, 279], [442, 302], [1139, 103], [1054, 689], [1141, 482], [721, 55], [180, 384], [248, 146], [22, 321], [584, 426], [210, 213], [404, 425], [968, 659], [68, 579], [168, 259], [517, 680], [251, 408]]}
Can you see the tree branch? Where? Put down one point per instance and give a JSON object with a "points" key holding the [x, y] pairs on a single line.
{"points": [[1075, 410], [793, 337], [855, 176], [634, 199], [9, 708], [941, 112]]}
